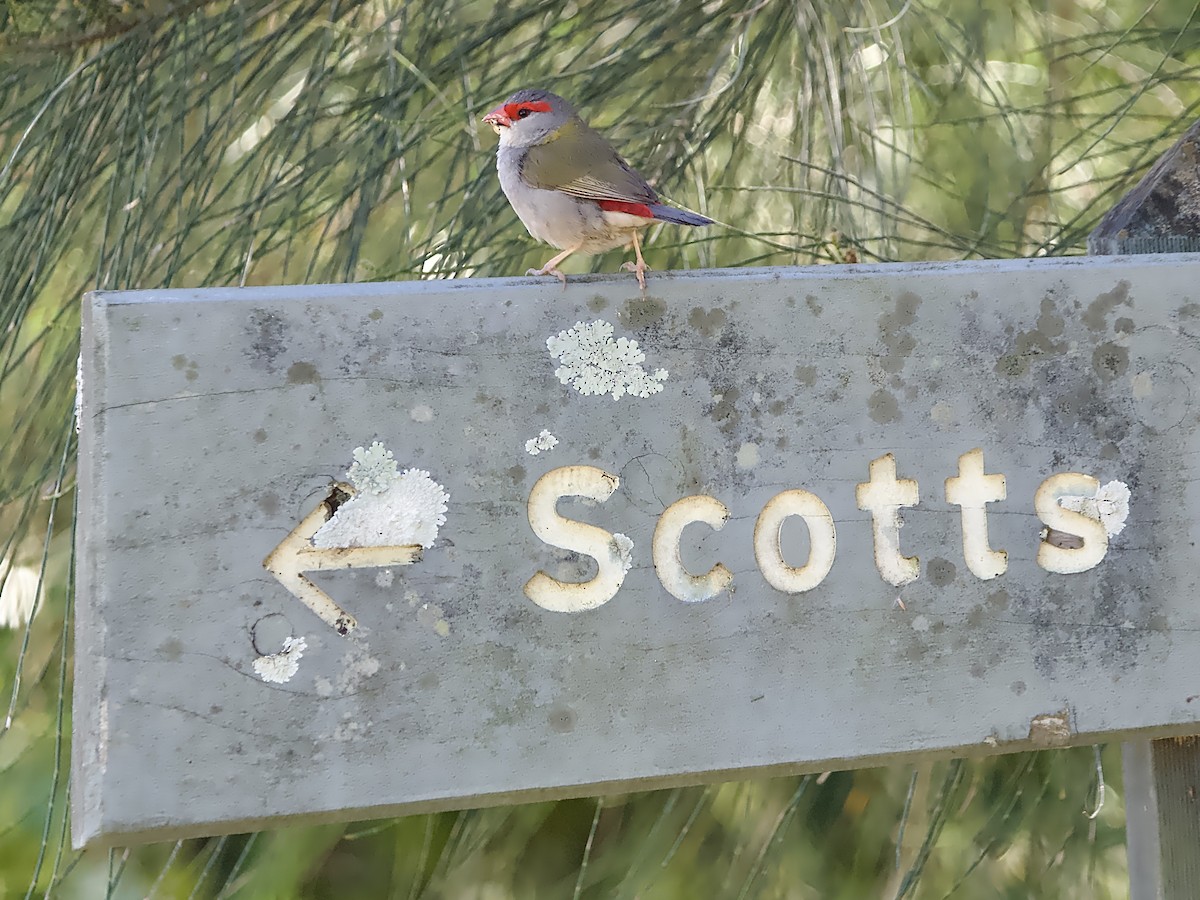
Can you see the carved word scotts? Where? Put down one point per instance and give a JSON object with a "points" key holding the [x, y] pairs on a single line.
{"points": [[882, 495]]}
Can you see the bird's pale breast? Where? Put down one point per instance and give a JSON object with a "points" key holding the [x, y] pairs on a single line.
{"points": [[557, 218]]}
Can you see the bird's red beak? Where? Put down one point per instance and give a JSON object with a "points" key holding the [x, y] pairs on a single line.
{"points": [[498, 118]]}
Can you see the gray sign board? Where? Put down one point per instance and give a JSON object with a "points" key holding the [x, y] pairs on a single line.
{"points": [[355, 551]]}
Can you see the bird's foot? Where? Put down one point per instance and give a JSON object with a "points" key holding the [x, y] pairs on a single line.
{"points": [[639, 268], [549, 270]]}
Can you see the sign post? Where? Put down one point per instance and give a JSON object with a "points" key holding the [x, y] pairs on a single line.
{"points": [[1160, 215], [373, 549]]}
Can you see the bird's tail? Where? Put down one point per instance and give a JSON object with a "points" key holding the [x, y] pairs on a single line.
{"points": [[678, 216]]}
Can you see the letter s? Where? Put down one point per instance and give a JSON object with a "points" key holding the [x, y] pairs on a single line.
{"points": [[611, 559]]}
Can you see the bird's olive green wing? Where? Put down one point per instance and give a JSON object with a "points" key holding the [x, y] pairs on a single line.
{"points": [[580, 162]]}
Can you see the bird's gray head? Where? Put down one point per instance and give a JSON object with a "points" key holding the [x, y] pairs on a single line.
{"points": [[529, 117]]}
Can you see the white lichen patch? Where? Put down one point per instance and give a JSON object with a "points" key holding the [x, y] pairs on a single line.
{"points": [[357, 666], [1110, 506], [390, 508], [349, 731], [384, 578], [942, 413], [278, 668], [624, 550], [544, 441], [433, 616], [593, 363], [373, 470], [421, 413], [747, 456]]}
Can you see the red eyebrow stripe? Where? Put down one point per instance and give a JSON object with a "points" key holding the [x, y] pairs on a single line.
{"points": [[511, 109], [624, 206]]}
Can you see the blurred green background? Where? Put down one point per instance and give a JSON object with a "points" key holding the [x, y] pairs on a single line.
{"points": [[196, 143]]}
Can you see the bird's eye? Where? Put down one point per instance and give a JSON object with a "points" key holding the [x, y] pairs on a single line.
{"points": [[522, 113]]}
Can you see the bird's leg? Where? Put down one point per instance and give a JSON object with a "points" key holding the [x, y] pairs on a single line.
{"points": [[551, 268], [640, 266]]}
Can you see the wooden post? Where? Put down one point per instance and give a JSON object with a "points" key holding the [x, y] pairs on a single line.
{"points": [[1162, 213], [1162, 777]]}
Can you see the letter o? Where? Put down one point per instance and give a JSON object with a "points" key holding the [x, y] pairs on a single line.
{"points": [[822, 538]]}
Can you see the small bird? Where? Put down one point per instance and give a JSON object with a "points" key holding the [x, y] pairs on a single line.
{"points": [[567, 184]]}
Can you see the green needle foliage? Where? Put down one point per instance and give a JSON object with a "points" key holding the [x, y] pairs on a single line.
{"points": [[214, 143]]}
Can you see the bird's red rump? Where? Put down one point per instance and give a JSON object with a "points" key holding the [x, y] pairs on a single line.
{"points": [[634, 209], [513, 110]]}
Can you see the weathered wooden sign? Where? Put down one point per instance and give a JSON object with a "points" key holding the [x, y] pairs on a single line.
{"points": [[364, 550]]}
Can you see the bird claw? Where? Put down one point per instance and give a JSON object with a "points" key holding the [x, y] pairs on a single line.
{"points": [[549, 270], [639, 268]]}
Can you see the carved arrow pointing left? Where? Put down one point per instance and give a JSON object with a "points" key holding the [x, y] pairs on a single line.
{"points": [[296, 555]]}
